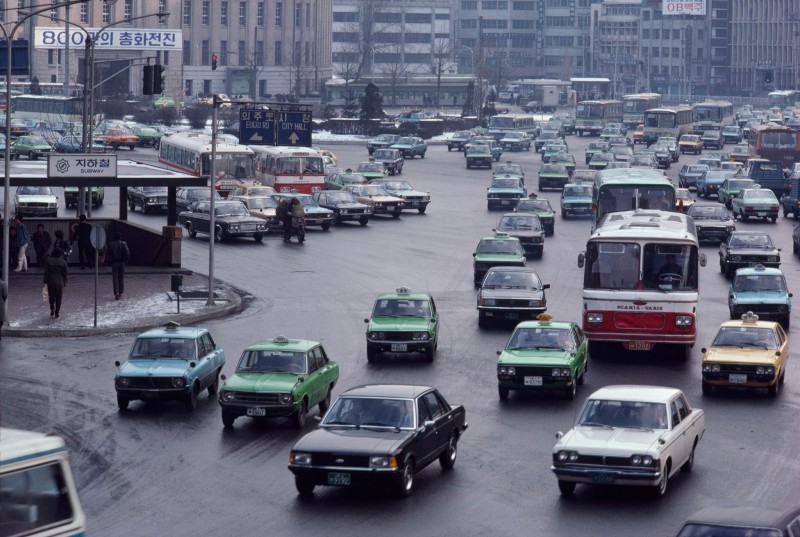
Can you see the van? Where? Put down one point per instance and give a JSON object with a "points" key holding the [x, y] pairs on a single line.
{"points": [[37, 492], [768, 174]]}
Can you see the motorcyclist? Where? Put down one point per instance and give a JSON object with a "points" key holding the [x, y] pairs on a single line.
{"points": [[298, 213]]}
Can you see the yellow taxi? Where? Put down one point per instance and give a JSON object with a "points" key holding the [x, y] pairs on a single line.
{"points": [[638, 134], [747, 353], [329, 154]]}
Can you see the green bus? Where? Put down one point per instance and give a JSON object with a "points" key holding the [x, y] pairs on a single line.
{"points": [[627, 189]]}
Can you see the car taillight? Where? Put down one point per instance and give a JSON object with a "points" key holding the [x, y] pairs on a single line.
{"points": [[746, 208]]}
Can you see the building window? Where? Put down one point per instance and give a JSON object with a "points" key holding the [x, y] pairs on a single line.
{"points": [[85, 13], [278, 15], [469, 5], [187, 12], [260, 14], [50, 56], [204, 18], [187, 88], [242, 13], [259, 53], [418, 18], [106, 13], [3, 10], [278, 53], [262, 88], [442, 16], [242, 53], [187, 52], [223, 13], [205, 51], [223, 53], [128, 9], [308, 53], [308, 15], [298, 15], [206, 87]]}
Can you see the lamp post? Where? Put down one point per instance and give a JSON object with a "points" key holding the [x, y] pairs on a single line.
{"points": [[9, 35]]}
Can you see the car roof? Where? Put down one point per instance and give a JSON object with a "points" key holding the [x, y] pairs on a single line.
{"points": [[405, 391], [283, 343], [753, 324], [744, 515], [560, 325], [622, 392], [404, 295], [186, 332], [761, 271]]}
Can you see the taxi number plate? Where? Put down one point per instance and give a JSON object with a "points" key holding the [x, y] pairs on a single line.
{"points": [[505, 202], [414, 203], [510, 315], [399, 347], [737, 379], [338, 479], [256, 412], [603, 478], [761, 213], [639, 345], [533, 381], [390, 207]]}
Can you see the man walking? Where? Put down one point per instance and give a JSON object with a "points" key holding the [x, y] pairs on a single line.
{"points": [[41, 244], [22, 240], [83, 235], [55, 277], [118, 255]]}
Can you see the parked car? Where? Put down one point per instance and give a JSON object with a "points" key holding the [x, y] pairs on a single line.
{"points": [[345, 206], [117, 136], [413, 199], [35, 201], [315, 215], [372, 170], [148, 136], [343, 179], [186, 196], [377, 197], [231, 220], [264, 207], [147, 198], [30, 146], [511, 294]]}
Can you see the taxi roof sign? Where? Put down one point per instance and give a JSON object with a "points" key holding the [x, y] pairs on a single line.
{"points": [[172, 325], [281, 339], [750, 317], [403, 290]]}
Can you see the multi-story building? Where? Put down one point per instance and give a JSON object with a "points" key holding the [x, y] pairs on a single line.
{"points": [[615, 52], [720, 54]]}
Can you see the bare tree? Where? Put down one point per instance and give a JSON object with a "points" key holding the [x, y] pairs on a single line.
{"points": [[366, 37], [396, 70], [300, 69], [441, 63]]}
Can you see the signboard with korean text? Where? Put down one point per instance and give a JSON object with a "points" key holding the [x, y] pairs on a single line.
{"points": [[81, 166], [47, 37], [256, 126], [294, 128], [683, 7]]}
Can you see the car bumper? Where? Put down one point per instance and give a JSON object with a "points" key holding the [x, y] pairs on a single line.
{"points": [[254, 410], [358, 476], [774, 312], [400, 346], [577, 209], [480, 161], [753, 381], [317, 221], [769, 213], [545, 384], [153, 394], [35, 211], [502, 202], [607, 476], [511, 314]]}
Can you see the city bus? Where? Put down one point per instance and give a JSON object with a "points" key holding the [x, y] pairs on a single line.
{"points": [[783, 98], [501, 124], [775, 142], [626, 189], [636, 104], [190, 153], [672, 121], [711, 116], [54, 109], [592, 116], [640, 281], [288, 169]]}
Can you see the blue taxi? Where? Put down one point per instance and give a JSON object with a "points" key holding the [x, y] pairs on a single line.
{"points": [[576, 199], [505, 192], [763, 291]]}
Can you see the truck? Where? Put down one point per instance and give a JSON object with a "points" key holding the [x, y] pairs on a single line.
{"points": [[549, 98], [769, 174]]}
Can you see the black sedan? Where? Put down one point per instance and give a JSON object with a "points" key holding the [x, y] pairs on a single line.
{"points": [[742, 520], [231, 219], [380, 433], [147, 198], [747, 249], [713, 222], [345, 206]]}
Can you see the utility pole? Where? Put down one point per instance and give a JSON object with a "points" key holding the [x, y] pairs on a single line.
{"points": [[479, 89], [66, 52]]}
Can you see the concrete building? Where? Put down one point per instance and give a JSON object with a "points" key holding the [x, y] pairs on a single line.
{"points": [[615, 52]]}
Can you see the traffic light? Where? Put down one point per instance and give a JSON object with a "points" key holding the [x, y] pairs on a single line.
{"points": [[159, 84], [147, 80], [768, 77], [213, 61]]}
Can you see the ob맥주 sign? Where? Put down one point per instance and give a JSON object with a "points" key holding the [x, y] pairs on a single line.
{"points": [[81, 166], [678, 7], [110, 38]]}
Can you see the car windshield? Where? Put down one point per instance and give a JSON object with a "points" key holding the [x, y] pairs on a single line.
{"points": [[519, 223], [598, 145], [603, 157], [33, 140], [625, 414], [262, 203], [740, 184], [703, 212], [640, 160], [542, 338], [370, 190], [307, 201], [505, 182], [754, 240], [534, 205], [341, 196], [506, 279], [272, 361], [402, 307], [260, 191], [509, 169], [34, 191], [154, 189], [352, 178], [553, 168], [746, 337], [763, 196], [378, 412], [231, 209], [755, 283], [153, 348], [499, 246], [701, 529], [566, 157], [383, 153], [577, 191], [396, 185], [479, 148], [698, 169], [405, 141], [371, 167]]}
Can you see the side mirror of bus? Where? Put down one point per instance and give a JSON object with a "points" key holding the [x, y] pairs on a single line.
{"points": [[702, 260], [581, 260]]}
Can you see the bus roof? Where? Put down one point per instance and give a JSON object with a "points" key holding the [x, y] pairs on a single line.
{"points": [[712, 103], [641, 96], [632, 225], [201, 142], [600, 101], [17, 445], [287, 151], [629, 175], [670, 109], [591, 80]]}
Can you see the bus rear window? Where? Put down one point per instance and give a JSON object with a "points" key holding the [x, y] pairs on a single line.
{"points": [[34, 499]]}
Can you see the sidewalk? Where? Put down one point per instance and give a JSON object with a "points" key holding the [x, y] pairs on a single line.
{"points": [[146, 303]]}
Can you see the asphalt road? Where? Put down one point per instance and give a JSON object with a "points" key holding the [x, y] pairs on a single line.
{"points": [[160, 470]]}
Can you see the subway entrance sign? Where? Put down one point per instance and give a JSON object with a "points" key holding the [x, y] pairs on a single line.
{"points": [[256, 126], [294, 128]]}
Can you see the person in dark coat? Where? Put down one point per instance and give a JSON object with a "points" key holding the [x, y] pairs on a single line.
{"points": [[284, 214], [41, 244], [83, 235], [55, 277], [118, 255], [62, 244]]}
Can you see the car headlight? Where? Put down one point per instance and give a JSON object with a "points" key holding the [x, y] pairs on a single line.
{"points": [[376, 335], [503, 370], [487, 302], [261, 227], [152, 200], [562, 455], [298, 457], [233, 227], [572, 456], [382, 462], [535, 303], [344, 211], [122, 381], [730, 228], [420, 336], [647, 460], [594, 318], [710, 368], [561, 372], [636, 460], [285, 399], [228, 396], [774, 258], [52, 205], [178, 382], [426, 198], [683, 320]]}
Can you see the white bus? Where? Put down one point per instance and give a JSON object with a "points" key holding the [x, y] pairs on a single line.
{"points": [[783, 98], [288, 169], [711, 116], [190, 153], [54, 109], [640, 281], [39, 497], [592, 116], [635, 105], [672, 121], [501, 124]]}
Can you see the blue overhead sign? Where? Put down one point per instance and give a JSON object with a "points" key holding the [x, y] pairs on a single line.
{"points": [[294, 128], [256, 127]]}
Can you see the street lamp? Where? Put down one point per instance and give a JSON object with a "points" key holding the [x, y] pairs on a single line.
{"points": [[7, 164]]}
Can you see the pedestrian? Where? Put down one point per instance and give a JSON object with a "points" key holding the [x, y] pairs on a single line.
{"points": [[55, 277], [22, 243], [62, 244], [118, 255], [13, 251], [3, 298], [83, 235], [284, 213], [41, 244]]}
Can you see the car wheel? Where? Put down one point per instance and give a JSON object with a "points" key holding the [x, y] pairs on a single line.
{"points": [[786, 322], [325, 404], [258, 237], [566, 488], [396, 214], [661, 489], [430, 351], [707, 388], [228, 418], [326, 226], [774, 389], [131, 205], [299, 416], [582, 377], [219, 235], [503, 392], [191, 399], [363, 221], [406, 485], [304, 485], [448, 457], [421, 210], [337, 219], [689, 464], [122, 403], [483, 321], [191, 231], [571, 390], [372, 354], [422, 155], [213, 388]]}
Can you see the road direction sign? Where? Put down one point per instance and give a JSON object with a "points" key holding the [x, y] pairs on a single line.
{"points": [[294, 128], [256, 126], [81, 166]]}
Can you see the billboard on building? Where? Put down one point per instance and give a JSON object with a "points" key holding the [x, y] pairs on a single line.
{"points": [[110, 38], [679, 7]]}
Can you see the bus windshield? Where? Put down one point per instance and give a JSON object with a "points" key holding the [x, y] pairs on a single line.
{"points": [[620, 265], [237, 165], [614, 198], [779, 140], [659, 120], [589, 110], [501, 122]]}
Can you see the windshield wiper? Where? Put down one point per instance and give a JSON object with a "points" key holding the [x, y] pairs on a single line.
{"points": [[639, 427], [548, 347], [595, 424], [379, 426], [341, 424], [519, 348], [749, 344]]}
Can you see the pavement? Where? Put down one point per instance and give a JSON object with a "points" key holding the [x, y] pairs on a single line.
{"points": [[146, 303]]}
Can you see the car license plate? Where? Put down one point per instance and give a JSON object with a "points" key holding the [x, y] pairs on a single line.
{"points": [[761, 213], [504, 202], [390, 207], [399, 347], [605, 479], [338, 479], [150, 395], [533, 381], [414, 203], [639, 345], [510, 315], [256, 412], [737, 379]]}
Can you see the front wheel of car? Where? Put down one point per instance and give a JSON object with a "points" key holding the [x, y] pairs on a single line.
{"points": [[258, 237], [566, 488], [774, 389], [304, 485], [191, 399], [421, 210], [363, 221], [430, 351], [325, 404], [122, 403], [406, 485], [707, 388], [213, 388], [689, 464], [661, 489], [571, 390], [483, 321], [448, 457], [299, 416], [326, 226], [131, 205], [372, 354], [219, 235], [503, 393], [337, 219], [228, 418], [191, 231], [396, 214]]}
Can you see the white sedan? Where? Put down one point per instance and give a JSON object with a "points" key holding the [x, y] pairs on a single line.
{"points": [[629, 435]]}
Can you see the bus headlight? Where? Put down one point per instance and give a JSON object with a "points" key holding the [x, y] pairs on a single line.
{"points": [[683, 320], [594, 318]]}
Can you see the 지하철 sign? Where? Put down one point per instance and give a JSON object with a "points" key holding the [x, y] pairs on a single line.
{"points": [[80, 166], [683, 7]]}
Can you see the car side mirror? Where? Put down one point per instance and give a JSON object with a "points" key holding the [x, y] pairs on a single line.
{"points": [[192, 364], [703, 260], [499, 353], [559, 435], [474, 254], [779, 249], [428, 423], [301, 379], [777, 353], [546, 286], [223, 377], [581, 259], [366, 320], [703, 350], [117, 363], [790, 295]]}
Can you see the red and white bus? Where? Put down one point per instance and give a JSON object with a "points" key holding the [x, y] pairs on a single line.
{"points": [[190, 153], [640, 281], [288, 169]]}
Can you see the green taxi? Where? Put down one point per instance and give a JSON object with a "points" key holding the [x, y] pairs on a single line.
{"points": [[478, 155], [372, 169], [403, 322], [509, 169], [553, 176], [596, 147], [498, 250], [543, 355], [279, 378], [540, 207], [565, 159], [731, 187]]}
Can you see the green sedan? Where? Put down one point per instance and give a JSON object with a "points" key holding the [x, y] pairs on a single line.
{"points": [[543, 355], [403, 322], [32, 147], [499, 250], [279, 378], [372, 170]]}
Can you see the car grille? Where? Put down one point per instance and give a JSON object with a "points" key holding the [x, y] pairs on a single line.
{"points": [[752, 259], [397, 336], [604, 461], [761, 309], [34, 205], [248, 227], [738, 368], [333, 459], [512, 303], [256, 398], [149, 382], [413, 198], [506, 195]]}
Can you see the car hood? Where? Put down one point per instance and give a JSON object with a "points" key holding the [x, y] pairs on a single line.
{"points": [[317, 211], [239, 218], [384, 199], [761, 297], [261, 382], [754, 251], [154, 368], [619, 442], [403, 324], [738, 355], [348, 205], [24, 198], [353, 441], [503, 293], [545, 357]]}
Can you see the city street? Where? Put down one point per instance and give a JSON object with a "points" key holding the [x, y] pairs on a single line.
{"points": [[158, 469]]}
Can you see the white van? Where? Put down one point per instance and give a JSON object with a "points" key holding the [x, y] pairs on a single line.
{"points": [[37, 492]]}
